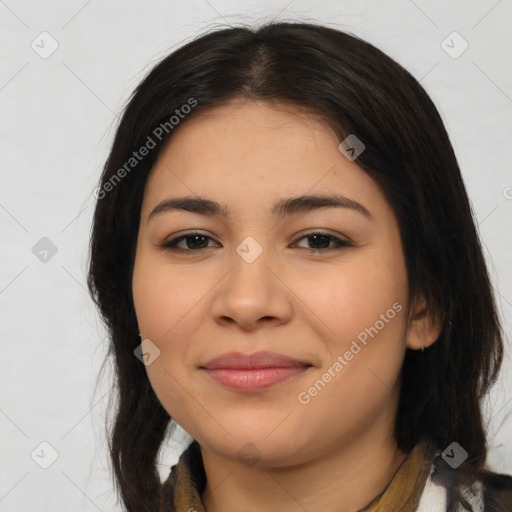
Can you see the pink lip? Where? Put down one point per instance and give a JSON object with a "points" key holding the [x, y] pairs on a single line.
{"points": [[253, 372]]}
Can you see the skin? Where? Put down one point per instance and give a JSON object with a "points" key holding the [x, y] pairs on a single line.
{"points": [[197, 305]]}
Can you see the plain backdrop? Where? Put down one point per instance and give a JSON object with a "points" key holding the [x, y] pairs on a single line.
{"points": [[58, 114]]}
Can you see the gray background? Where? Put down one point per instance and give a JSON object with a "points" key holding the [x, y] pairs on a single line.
{"points": [[58, 118]]}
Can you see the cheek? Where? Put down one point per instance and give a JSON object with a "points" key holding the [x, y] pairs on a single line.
{"points": [[168, 308], [363, 306], [162, 295], [352, 297], [159, 305], [364, 310]]}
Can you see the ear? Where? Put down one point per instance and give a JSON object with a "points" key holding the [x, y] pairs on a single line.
{"points": [[424, 326]]}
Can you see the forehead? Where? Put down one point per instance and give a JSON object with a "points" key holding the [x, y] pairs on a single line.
{"points": [[248, 131], [248, 152]]}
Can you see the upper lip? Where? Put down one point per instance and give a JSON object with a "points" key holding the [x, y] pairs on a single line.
{"points": [[243, 361]]}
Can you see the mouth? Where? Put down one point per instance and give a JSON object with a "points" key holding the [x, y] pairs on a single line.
{"points": [[253, 372]]}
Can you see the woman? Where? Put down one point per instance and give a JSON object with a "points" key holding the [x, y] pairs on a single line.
{"points": [[283, 222]]}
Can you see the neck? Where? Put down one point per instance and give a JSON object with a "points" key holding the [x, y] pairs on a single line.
{"points": [[345, 479]]}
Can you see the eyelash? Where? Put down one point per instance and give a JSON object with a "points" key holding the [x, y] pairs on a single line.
{"points": [[171, 245]]}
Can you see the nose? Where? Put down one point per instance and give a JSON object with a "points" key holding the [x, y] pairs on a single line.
{"points": [[252, 295]]}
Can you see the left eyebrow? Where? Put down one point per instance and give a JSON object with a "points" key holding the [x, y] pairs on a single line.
{"points": [[289, 206]]}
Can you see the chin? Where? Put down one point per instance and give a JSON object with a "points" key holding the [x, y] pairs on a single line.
{"points": [[257, 449]]}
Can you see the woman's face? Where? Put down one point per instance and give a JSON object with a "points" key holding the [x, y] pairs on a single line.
{"points": [[257, 279]]}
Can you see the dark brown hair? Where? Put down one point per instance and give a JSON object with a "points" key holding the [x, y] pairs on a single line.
{"points": [[358, 90]]}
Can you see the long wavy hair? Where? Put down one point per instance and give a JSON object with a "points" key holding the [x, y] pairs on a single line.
{"points": [[358, 90]]}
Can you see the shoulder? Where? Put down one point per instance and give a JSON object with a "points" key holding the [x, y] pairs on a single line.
{"points": [[434, 496], [492, 494], [497, 490]]}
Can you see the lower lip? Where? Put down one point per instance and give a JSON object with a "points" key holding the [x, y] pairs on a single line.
{"points": [[255, 379]]}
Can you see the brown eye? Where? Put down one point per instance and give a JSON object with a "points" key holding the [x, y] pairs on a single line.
{"points": [[320, 242], [192, 242]]}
